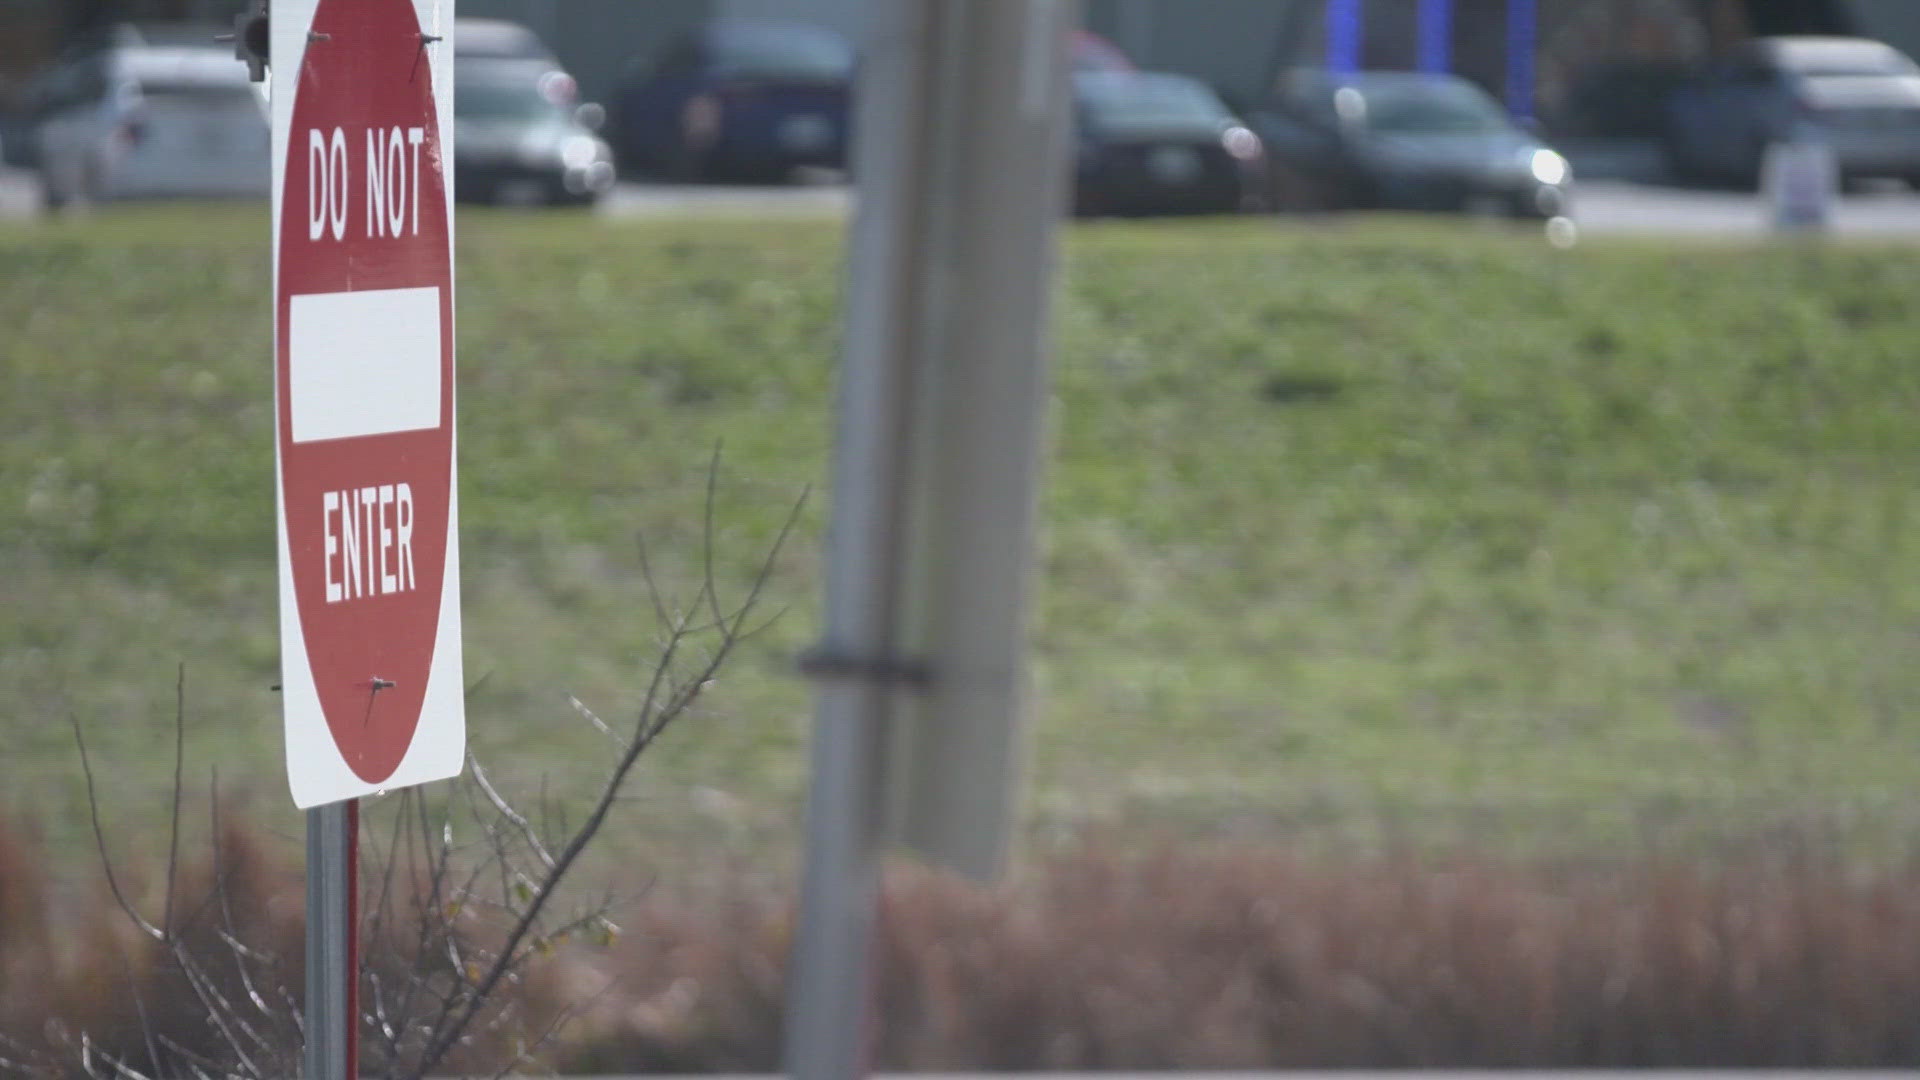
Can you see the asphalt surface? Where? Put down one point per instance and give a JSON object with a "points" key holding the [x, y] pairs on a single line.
{"points": [[1601, 207], [19, 195], [1410, 1074], [1610, 207]]}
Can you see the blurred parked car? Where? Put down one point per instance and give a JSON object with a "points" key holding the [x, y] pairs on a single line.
{"points": [[138, 121], [1619, 98], [1151, 143], [15, 131], [1091, 52], [498, 39], [1862, 97], [1405, 141], [521, 139], [737, 99]]}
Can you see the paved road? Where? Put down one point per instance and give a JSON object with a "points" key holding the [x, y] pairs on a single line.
{"points": [[19, 195], [671, 200], [1411, 1074], [1619, 208], [1602, 207]]}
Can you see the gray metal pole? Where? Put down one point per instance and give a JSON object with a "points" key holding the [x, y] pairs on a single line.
{"points": [[827, 993], [959, 157], [957, 759], [332, 953]]}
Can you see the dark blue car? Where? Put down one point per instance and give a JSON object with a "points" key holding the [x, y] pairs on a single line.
{"points": [[737, 100]]}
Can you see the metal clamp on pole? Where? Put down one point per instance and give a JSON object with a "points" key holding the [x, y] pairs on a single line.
{"points": [[825, 663]]}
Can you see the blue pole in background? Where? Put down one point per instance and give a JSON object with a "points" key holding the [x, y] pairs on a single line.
{"points": [[1436, 35], [1521, 32], [1344, 29]]}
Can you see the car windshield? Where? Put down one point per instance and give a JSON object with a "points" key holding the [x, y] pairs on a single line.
{"points": [[781, 52], [493, 99], [1137, 104], [1431, 108]]}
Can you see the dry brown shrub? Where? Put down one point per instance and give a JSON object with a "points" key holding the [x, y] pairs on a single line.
{"points": [[1248, 957], [1124, 957]]}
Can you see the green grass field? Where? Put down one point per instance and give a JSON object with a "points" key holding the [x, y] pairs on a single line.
{"points": [[1389, 523]]}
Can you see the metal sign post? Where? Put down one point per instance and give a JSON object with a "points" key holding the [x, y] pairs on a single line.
{"points": [[960, 151], [333, 946]]}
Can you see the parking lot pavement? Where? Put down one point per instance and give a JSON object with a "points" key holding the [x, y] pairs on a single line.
{"points": [[694, 200], [1601, 208], [1608, 207], [19, 194]]}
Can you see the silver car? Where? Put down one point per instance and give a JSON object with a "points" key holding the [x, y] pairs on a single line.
{"points": [[1861, 97], [150, 121]]}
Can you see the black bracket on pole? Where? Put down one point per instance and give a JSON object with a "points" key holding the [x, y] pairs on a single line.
{"points": [[903, 671], [251, 45]]}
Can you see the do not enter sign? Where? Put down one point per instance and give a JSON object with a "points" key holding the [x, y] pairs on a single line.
{"points": [[363, 292]]}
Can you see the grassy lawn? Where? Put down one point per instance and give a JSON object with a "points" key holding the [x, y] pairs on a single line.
{"points": [[1373, 527]]}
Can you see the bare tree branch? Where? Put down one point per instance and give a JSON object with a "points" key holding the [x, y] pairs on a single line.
{"points": [[179, 788], [518, 820], [559, 1021], [100, 839], [707, 533], [485, 909], [140, 1007], [655, 717], [228, 935]]}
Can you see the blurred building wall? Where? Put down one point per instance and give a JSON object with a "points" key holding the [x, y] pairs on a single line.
{"points": [[1237, 45], [846, 16], [1896, 22], [597, 39], [27, 34]]}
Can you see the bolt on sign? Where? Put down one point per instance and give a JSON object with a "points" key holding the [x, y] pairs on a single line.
{"points": [[361, 98]]}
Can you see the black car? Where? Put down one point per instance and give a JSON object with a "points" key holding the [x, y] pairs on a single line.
{"points": [[1152, 143], [1405, 141], [520, 138], [737, 99]]}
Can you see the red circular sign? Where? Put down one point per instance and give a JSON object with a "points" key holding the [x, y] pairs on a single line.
{"points": [[365, 368]]}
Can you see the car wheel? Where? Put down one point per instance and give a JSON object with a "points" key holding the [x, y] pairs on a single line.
{"points": [[1753, 172], [1682, 165], [1855, 184], [1292, 189], [91, 185], [690, 164], [520, 193], [52, 195]]}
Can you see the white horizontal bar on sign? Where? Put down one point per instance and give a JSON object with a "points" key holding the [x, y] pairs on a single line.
{"points": [[363, 363]]}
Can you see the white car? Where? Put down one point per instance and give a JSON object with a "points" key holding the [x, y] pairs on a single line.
{"points": [[151, 121], [1860, 97]]}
